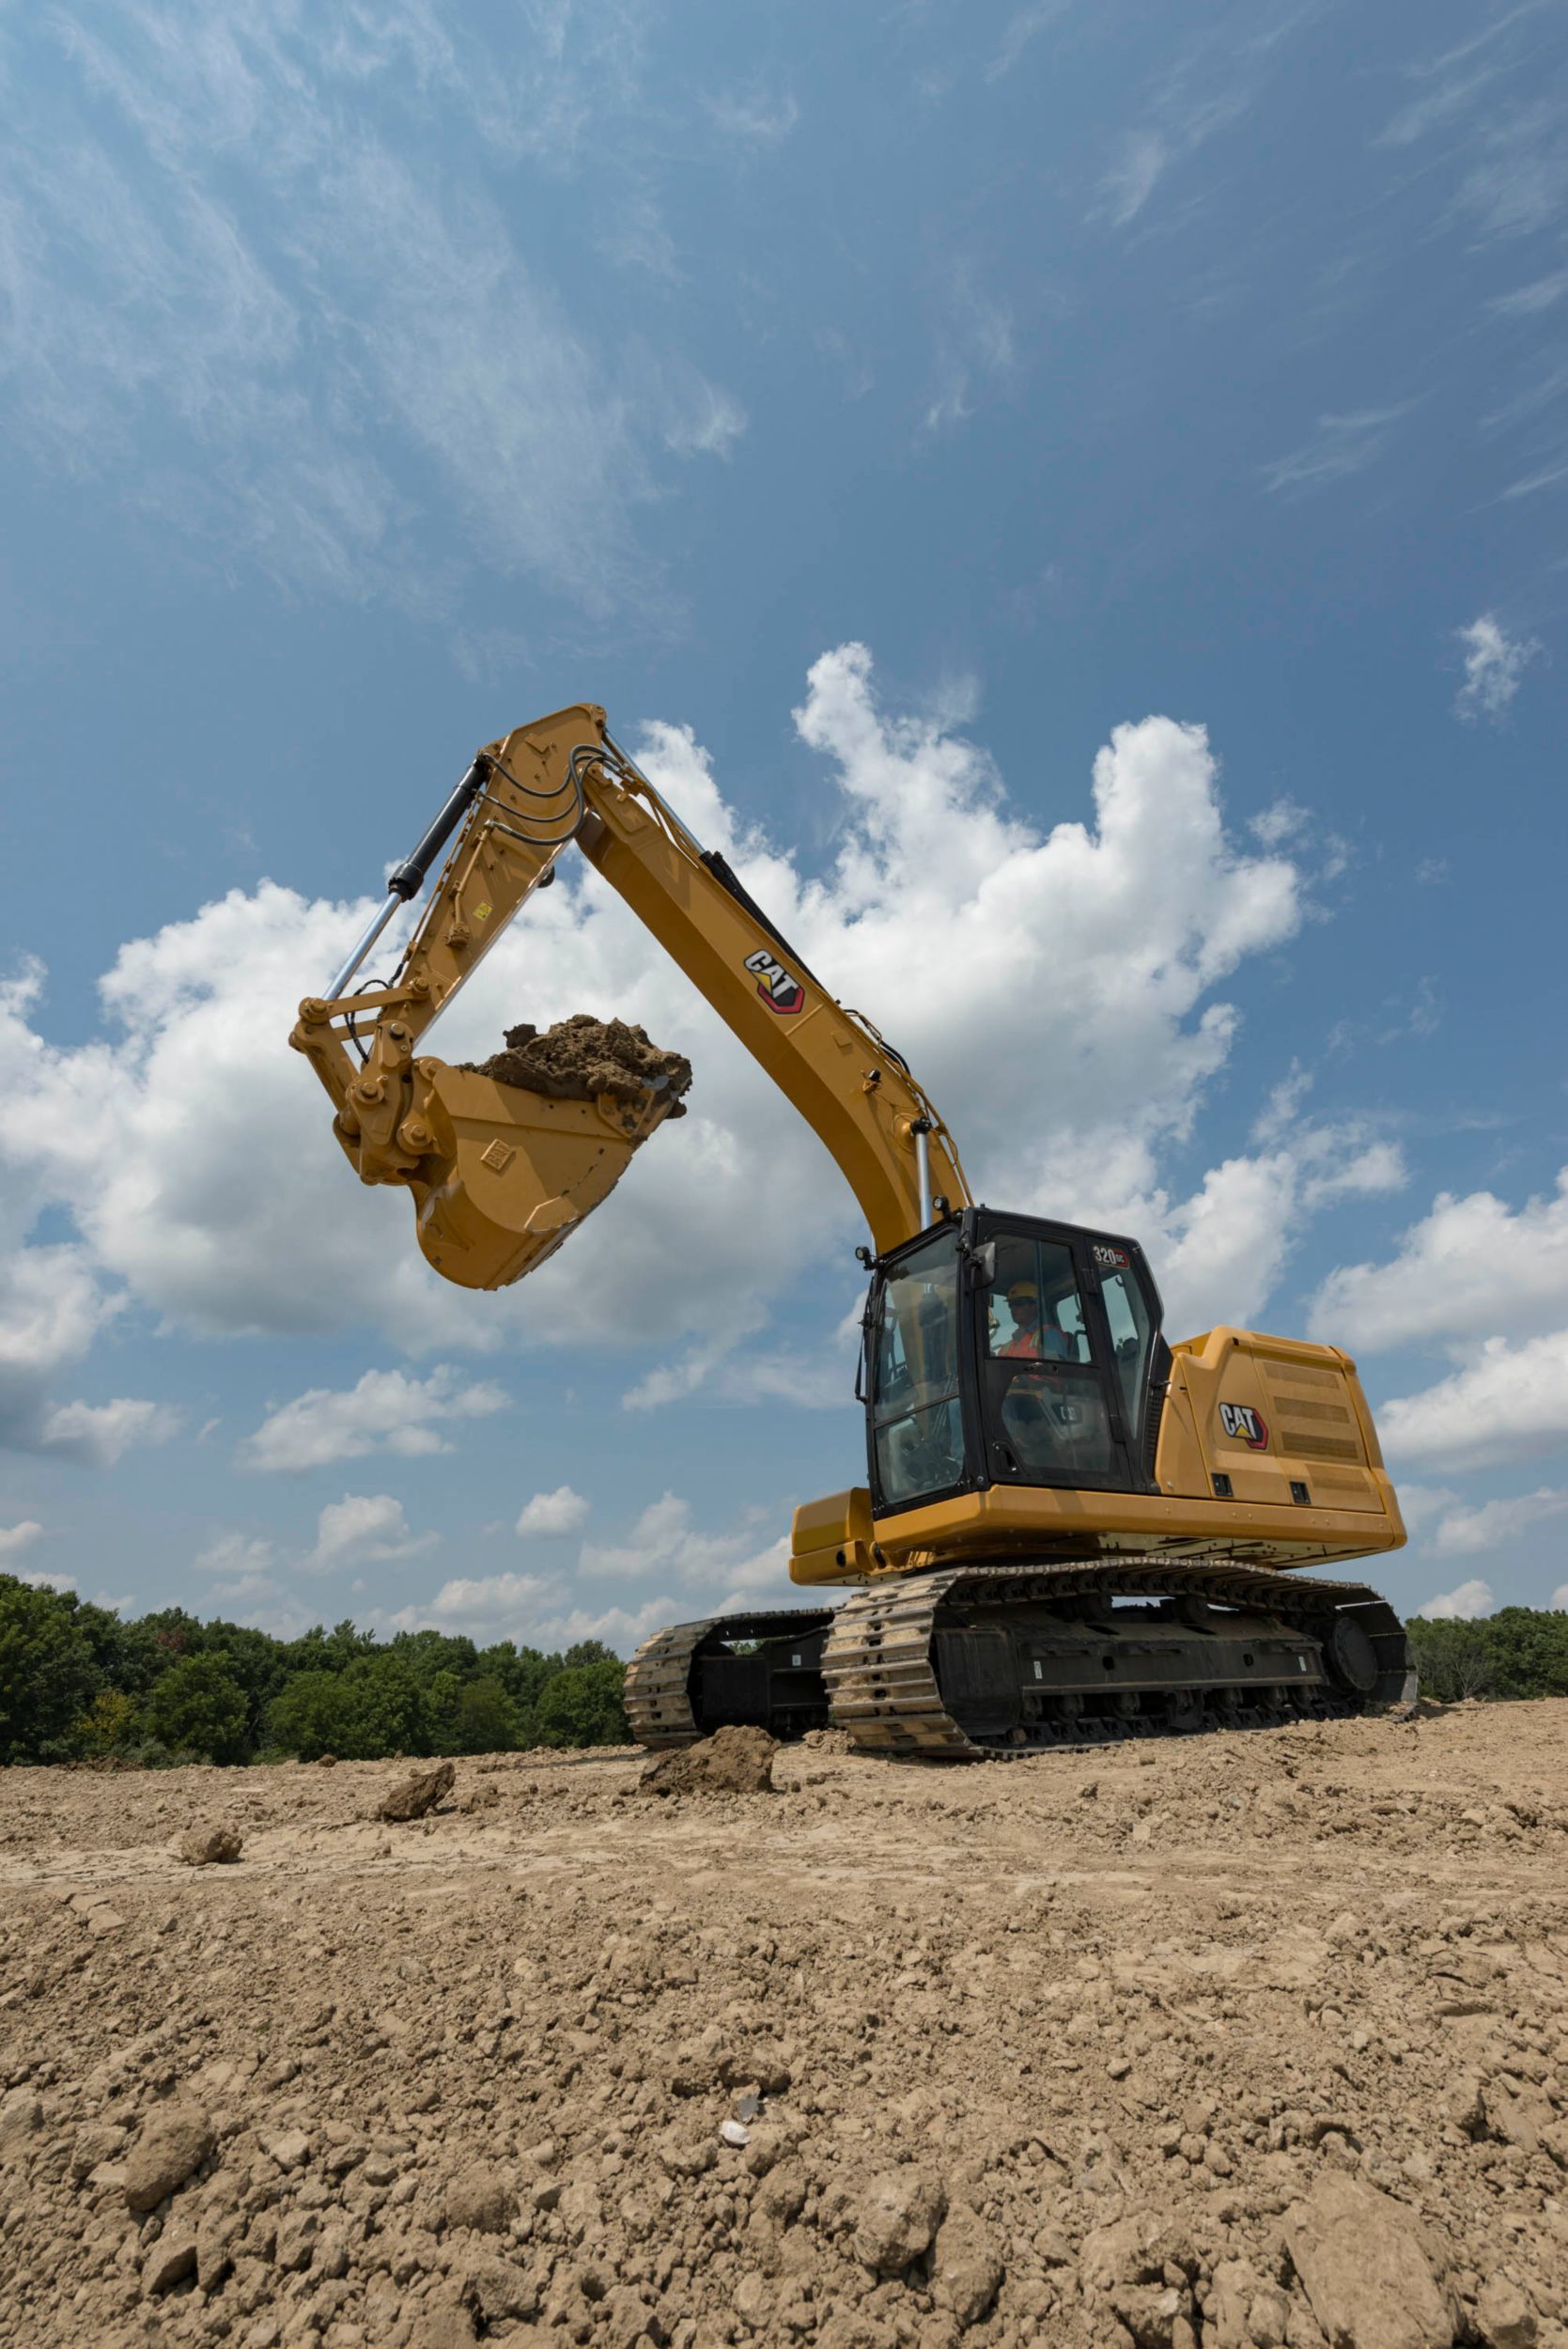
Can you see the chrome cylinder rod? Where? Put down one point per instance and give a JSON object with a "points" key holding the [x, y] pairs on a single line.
{"points": [[922, 1170], [409, 878]]}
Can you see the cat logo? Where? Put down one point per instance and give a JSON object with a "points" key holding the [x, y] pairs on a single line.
{"points": [[779, 991], [1241, 1420]]}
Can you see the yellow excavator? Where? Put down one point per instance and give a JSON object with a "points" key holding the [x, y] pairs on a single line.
{"points": [[1071, 1531]]}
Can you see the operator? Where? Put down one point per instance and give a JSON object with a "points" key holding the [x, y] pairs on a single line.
{"points": [[1030, 1341]]}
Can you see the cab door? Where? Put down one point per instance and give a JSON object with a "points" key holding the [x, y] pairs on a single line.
{"points": [[1052, 1405]]}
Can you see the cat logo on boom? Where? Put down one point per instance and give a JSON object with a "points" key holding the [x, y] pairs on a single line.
{"points": [[778, 990], [1240, 1419]]}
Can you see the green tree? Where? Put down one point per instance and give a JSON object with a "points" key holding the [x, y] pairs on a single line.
{"points": [[1528, 1648], [487, 1722], [48, 1672], [106, 1723], [442, 1694], [310, 1715], [198, 1706], [582, 1706], [1454, 1659]]}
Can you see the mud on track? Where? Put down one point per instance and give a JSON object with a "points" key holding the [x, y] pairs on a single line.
{"points": [[1248, 2042]]}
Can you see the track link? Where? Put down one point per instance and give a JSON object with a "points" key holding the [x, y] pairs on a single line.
{"points": [[882, 1682], [657, 1690]]}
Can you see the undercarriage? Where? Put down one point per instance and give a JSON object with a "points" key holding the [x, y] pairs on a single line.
{"points": [[976, 1661]]}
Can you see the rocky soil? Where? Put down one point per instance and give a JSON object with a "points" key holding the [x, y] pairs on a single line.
{"points": [[582, 1057], [1255, 2042]]}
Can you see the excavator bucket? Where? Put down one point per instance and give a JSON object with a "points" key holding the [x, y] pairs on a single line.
{"points": [[510, 1172]]}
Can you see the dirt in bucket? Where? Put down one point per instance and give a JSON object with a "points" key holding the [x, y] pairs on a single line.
{"points": [[582, 1057]]}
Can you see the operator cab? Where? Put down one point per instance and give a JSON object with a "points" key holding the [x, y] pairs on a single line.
{"points": [[1009, 1351]]}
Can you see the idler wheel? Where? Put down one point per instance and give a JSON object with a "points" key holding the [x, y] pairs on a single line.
{"points": [[1348, 1654]]}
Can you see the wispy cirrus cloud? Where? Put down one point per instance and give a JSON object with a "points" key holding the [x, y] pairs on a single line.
{"points": [[290, 336], [1338, 446]]}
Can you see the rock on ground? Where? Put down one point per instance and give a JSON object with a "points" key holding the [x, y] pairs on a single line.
{"points": [[175, 2140], [420, 1792], [1368, 2270], [734, 1760], [216, 1844]]}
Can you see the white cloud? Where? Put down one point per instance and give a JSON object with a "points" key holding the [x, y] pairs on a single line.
{"points": [[364, 1528], [238, 1557], [1494, 665], [1491, 1523], [1473, 1267], [102, 1433], [1339, 446], [210, 205], [485, 1608], [206, 1186], [1506, 1403], [1463, 1605], [48, 1581], [547, 1516], [14, 1539], [385, 1412], [755, 118], [1558, 1598]]}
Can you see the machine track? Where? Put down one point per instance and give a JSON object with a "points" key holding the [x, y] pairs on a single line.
{"points": [[660, 1679], [878, 1656]]}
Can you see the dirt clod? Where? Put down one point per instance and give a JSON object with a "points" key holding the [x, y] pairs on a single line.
{"points": [[582, 1057], [898, 2213], [731, 1762], [213, 1844], [1368, 2271], [174, 2141], [420, 1792]]}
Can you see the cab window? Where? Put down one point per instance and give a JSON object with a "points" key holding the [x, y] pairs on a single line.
{"points": [[917, 1420], [1034, 1311], [1131, 1333]]}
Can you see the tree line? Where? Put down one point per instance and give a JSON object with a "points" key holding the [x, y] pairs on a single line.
{"points": [[78, 1683], [1518, 1652]]}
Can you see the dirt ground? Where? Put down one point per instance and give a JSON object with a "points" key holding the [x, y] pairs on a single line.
{"points": [[1253, 2042]]}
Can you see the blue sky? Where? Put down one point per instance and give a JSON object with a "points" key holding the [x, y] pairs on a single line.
{"points": [[914, 423]]}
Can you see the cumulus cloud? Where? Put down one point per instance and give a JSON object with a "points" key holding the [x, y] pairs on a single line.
{"points": [[204, 1185], [1463, 1605], [1491, 1523], [1471, 1267], [385, 1412], [484, 1607], [1559, 1598], [1494, 665], [237, 1557], [549, 1515], [14, 1539], [363, 1528], [40, 1581], [1506, 1403], [663, 1541], [102, 1433]]}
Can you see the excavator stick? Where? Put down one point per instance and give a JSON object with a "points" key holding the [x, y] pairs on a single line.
{"points": [[500, 1172]]}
